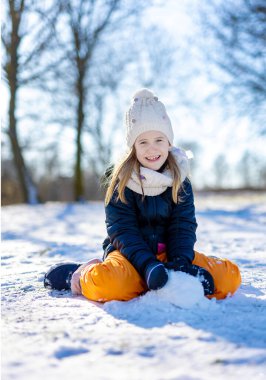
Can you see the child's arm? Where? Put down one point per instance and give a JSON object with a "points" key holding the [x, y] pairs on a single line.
{"points": [[181, 233], [125, 236]]}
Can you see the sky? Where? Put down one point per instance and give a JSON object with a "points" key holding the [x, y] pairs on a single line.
{"points": [[212, 132]]}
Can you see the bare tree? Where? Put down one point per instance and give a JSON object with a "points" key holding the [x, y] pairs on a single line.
{"points": [[234, 53], [221, 170], [89, 28], [26, 34], [252, 170]]}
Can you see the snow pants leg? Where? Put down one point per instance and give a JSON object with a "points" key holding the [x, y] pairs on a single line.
{"points": [[225, 273], [117, 279], [114, 279]]}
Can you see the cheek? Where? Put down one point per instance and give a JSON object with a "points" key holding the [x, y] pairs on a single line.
{"points": [[140, 151], [164, 149], [138, 154]]}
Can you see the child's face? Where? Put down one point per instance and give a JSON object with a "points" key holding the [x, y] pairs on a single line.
{"points": [[152, 149]]}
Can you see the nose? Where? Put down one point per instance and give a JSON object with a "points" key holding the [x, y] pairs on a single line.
{"points": [[151, 147]]}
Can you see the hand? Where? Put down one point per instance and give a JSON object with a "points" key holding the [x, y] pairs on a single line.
{"points": [[156, 275], [204, 276], [178, 264]]}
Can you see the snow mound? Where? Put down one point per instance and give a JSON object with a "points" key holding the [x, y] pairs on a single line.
{"points": [[156, 307], [181, 290]]}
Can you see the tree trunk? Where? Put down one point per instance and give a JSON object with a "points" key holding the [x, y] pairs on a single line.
{"points": [[78, 178], [28, 190]]}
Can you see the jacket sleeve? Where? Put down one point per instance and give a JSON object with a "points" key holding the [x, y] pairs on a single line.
{"points": [[124, 233], [181, 233]]}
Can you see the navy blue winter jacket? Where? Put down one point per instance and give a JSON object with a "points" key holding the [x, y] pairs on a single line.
{"points": [[136, 228]]}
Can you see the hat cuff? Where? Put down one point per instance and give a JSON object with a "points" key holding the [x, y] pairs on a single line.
{"points": [[134, 133]]}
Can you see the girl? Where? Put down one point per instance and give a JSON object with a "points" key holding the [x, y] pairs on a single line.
{"points": [[150, 219]]}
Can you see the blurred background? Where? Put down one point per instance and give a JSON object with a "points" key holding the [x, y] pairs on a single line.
{"points": [[70, 67]]}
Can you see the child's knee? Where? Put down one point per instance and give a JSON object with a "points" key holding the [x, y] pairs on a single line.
{"points": [[225, 273], [227, 279], [91, 282], [111, 280], [235, 275]]}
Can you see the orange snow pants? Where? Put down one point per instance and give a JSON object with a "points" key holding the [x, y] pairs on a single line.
{"points": [[116, 278]]}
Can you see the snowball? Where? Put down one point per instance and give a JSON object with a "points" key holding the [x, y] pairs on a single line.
{"points": [[182, 290]]}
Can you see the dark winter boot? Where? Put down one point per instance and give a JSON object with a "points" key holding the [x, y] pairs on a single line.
{"points": [[59, 276]]}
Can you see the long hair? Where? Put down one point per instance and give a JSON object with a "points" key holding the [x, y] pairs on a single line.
{"points": [[123, 170]]}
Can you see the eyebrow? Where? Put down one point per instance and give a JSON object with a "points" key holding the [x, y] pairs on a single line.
{"points": [[157, 137]]}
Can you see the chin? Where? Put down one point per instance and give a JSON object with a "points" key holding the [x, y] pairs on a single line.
{"points": [[156, 166]]}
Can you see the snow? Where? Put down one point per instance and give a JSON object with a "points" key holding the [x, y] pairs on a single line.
{"points": [[174, 333]]}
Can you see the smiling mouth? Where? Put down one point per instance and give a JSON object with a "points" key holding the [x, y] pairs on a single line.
{"points": [[153, 159]]}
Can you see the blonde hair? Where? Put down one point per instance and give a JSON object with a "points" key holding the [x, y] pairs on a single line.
{"points": [[123, 170]]}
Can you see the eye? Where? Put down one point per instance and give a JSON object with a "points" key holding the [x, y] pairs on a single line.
{"points": [[142, 142], [159, 140]]}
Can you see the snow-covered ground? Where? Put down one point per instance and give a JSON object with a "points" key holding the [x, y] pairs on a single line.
{"points": [[171, 334]]}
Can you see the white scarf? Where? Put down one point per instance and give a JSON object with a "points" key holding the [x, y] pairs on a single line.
{"points": [[155, 183]]}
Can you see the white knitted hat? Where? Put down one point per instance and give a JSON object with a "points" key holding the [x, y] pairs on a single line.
{"points": [[146, 113]]}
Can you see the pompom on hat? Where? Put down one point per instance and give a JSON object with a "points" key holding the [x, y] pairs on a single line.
{"points": [[146, 113]]}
